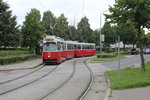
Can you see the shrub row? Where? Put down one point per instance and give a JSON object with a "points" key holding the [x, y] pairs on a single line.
{"points": [[2, 48], [18, 58], [13, 52], [106, 56]]}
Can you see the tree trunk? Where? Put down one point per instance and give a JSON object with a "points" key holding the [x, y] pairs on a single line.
{"points": [[141, 49], [142, 58], [133, 46], [124, 45]]}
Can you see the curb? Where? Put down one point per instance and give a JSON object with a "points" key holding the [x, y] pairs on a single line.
{"points": [[30, 67], [107, 95]]}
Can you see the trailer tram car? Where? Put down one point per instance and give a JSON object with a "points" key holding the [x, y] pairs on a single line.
{"points": [[88, 49], [54, 49]]}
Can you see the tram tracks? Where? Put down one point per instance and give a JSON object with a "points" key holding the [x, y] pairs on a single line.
{"points": [[65, 81], [22, 75], [90, 82], [61, 85], [28, 83], [85, 91]]}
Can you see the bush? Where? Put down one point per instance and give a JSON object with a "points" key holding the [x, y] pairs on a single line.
{"points": [[124, 53], [106, 55], [18, 58], [1, 48], [13, 52]]}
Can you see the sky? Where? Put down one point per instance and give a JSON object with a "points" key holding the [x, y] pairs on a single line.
{"points": [[72, 9]]}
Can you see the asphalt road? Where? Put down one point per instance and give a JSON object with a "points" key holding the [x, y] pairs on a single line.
{"points": [[129, 61]]}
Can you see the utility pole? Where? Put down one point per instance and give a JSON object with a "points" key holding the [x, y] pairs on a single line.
{"points": [[101, 31]]}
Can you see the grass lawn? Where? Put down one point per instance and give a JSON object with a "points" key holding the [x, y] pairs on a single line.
{"points": [[130, 78], [106, 59]]}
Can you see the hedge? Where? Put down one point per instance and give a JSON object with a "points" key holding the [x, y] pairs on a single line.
{"points": [[106, 55], [2, 48], [13, 52], [18, 58]]}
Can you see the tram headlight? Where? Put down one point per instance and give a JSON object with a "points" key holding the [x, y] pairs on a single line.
{"points": [[49, 54]]}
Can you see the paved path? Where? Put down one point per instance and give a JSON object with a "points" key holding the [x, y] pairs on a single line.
{"points": [[131, 94], [24, 65]]}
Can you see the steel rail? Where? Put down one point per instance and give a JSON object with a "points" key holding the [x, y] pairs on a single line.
{"points": [[29, 82], [50, 92], [90, 82], [22, 75]]}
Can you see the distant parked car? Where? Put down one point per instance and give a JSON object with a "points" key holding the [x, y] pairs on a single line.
{"points": [[146, 51], [134, 51]]}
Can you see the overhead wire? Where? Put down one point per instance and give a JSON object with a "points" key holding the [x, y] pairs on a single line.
{"points": [[42, 4]]}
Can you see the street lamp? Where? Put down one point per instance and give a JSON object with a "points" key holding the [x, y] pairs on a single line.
{"points": [[100, 30]]}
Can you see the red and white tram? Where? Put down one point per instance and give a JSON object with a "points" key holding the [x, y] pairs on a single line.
{"points": [[56, 49]]}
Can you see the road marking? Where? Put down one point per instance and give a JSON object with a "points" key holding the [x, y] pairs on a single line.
{"points": [[6, 73]]}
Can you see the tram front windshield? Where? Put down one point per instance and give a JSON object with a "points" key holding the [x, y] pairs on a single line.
{"points": [[49, 46]]}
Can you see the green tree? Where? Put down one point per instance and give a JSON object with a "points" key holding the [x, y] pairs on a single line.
{"points": [[127, 33], [32, 29], [62, 27], [148, 40], [109, 33], [49, 22], [133, 11], [8, 27], [72, 33], [84, 32], [96, 36]]}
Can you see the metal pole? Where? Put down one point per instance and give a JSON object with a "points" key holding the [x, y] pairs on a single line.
{"points": [[100, 38], [118, 58], [101, 31]]}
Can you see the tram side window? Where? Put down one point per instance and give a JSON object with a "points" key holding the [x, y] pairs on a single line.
{"points": [[79, 47], [70, 47], [63, 46], [58, 46], [76, 47], [92, 46], [86, 46], [83, 47]]}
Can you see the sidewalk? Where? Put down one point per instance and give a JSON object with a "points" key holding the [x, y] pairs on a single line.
{"points": [[19, 66], [131, 94]]}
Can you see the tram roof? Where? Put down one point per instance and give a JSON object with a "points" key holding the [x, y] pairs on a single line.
{"points": [[87, 43], [53, 38]]}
